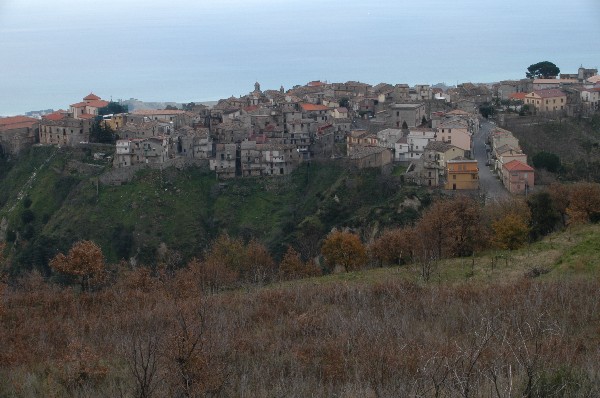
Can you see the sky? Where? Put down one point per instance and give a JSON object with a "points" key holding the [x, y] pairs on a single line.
{"points": [[53, 53]]}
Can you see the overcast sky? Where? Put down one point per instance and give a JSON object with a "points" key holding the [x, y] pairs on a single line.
{"points": [[55, 52]]}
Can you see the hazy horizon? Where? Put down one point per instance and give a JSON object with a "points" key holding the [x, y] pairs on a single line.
{"points": [[55, 53]]}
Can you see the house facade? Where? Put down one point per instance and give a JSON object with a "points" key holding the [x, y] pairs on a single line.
{"points": [[552, 100], [371, 156], [18, 133], [590, 98], [59, 129], [518, 177], [462, 174], [455, 131], [88, 108], [412, 114], [130, 152]]}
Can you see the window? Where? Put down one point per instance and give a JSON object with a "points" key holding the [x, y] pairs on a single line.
{"points": [[454, 176]]}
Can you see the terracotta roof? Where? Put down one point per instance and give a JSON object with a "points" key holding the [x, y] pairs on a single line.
{"points": [[439, 146], [550, 93], [315, 83], [16, 122], [313, 107], [91, 97], [515, 165], [58, 115], [342, 110], [151, 112], [554, 81], [97, 103], [86, 116], [93, 103], [517, 96], [251, 108], [594, 79]]}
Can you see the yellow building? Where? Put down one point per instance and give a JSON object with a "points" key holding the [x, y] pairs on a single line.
{"points": [[551, 100], [462, 174]]}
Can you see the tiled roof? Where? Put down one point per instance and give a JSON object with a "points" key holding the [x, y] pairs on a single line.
{"points": [[438, 146], [516, 165], [91, 97], [94, 103], [517, 96], [58, 115], [86, 116], [152, 112], [407, 106], [550, 93], [364, 151], [554, 81], [17, 122], [313, 107]]}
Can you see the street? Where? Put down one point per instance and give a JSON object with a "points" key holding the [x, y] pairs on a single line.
{"points": [[489, 184]]}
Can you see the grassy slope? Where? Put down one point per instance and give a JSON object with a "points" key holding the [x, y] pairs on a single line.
{"points": [[575, 141], [574, 252], [187, 209]]}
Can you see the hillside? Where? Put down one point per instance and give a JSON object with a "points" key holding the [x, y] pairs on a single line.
{"points": [[186, 209], [526, 327], [575, 140]]}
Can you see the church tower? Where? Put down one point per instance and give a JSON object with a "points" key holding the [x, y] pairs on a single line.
{"points": [[257, 86]]}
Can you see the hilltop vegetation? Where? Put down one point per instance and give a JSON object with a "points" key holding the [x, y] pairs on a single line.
{"points": [[489, 325], [441, 296], [184, 210], [576, 141]]}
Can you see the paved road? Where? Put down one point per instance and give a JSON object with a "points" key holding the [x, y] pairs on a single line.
{"points": [[489, 184]]}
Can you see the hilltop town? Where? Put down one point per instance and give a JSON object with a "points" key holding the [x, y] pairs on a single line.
{"points": [[334, 239], [271, 132]]}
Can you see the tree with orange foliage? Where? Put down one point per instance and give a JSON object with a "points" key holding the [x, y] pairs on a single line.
{"points": [[584, 203], [432, 229], [510, 231], [392, 247], [344, 249], [258, 265], [466, 230], [292, 267], [84, 261]]}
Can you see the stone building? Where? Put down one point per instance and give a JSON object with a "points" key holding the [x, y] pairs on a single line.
{"points": [[17, 133], [412, 114], [60, 129]]}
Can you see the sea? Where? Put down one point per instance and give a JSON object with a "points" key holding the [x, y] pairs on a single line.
{"points": [[52, 54]]}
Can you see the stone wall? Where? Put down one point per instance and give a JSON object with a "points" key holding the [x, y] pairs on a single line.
{"points": [[118, 176]]}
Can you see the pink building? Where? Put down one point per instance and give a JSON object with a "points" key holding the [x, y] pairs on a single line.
{"points": [[517, 177]]}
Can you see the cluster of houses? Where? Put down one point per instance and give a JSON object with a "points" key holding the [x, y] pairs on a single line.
{"points": [[570, 94], [509, 162], [268, 133]]}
